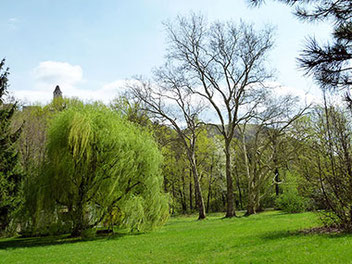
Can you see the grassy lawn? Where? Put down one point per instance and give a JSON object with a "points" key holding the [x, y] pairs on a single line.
{"points": [[264, 238]]}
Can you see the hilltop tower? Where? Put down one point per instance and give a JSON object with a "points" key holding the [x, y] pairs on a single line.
{"points": [[57, 92]]}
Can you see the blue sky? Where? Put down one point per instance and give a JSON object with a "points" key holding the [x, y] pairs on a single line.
{"points": [[90, 47]]}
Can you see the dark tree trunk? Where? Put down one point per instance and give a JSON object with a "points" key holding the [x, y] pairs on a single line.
{"points": [[208, 199], [165, 184], [4, 219], [277, 180], [223, 198], [183, 194], [78, 225], [183, 203]]}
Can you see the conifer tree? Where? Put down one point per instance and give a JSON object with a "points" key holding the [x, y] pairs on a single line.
{"points": [[10, 178], [329, 64]]}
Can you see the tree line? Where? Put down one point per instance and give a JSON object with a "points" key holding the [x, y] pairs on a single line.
{"points": [[206, 134]]}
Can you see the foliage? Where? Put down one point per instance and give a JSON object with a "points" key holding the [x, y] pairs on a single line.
{"points": [[330, 64], [98, 165], [10, 175], [290, 200], [326, 165], [130, 110], [34, 121], [210, 159]]}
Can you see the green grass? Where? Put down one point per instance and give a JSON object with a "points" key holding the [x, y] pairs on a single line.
{"points": [[264, 238]]}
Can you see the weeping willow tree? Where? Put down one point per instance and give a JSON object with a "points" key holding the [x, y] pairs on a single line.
{"points": [[100, 169]]}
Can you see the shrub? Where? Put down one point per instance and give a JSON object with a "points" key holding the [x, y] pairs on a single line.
{"points": [[291, 202]]}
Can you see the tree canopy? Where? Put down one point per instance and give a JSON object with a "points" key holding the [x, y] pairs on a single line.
{"points": [[100, 168]]}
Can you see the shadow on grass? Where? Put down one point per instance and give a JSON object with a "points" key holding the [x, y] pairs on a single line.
{"points": [[28, 242], [300, 233]]}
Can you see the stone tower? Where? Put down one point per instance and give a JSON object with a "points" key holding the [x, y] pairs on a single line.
{"points": [[57, 92]]}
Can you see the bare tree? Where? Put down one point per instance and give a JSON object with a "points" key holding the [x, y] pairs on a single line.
{"points": [[224, 64], [265, 145], [171, 103]]}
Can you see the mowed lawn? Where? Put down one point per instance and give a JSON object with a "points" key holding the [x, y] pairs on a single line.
{"points": [[269, 237]]}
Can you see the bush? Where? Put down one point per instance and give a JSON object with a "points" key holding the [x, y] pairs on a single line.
{"points": [[291, 202]]}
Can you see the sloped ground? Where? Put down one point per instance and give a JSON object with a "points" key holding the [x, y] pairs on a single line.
{"points": [[270, 237]]}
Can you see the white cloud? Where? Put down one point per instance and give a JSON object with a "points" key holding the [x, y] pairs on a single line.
{"points": [[54, 72], [306, 96], [106, 93], [46, 76], [33, 96], [69, 77]]}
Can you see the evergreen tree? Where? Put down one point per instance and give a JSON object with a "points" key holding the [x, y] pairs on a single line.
{"points": [[329, 64], [10, 178]]}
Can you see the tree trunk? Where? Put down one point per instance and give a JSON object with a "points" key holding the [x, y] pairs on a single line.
{"points": [[78, 224], [251, 209], [258, 207], [251, 205], [183, 203], [230, 211], [239, 188], [277, 180], [173, 189], [183, 194], [209, 189], [165, 184], [197, 188], [195, 195], [190, 191], [223, 198]]}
